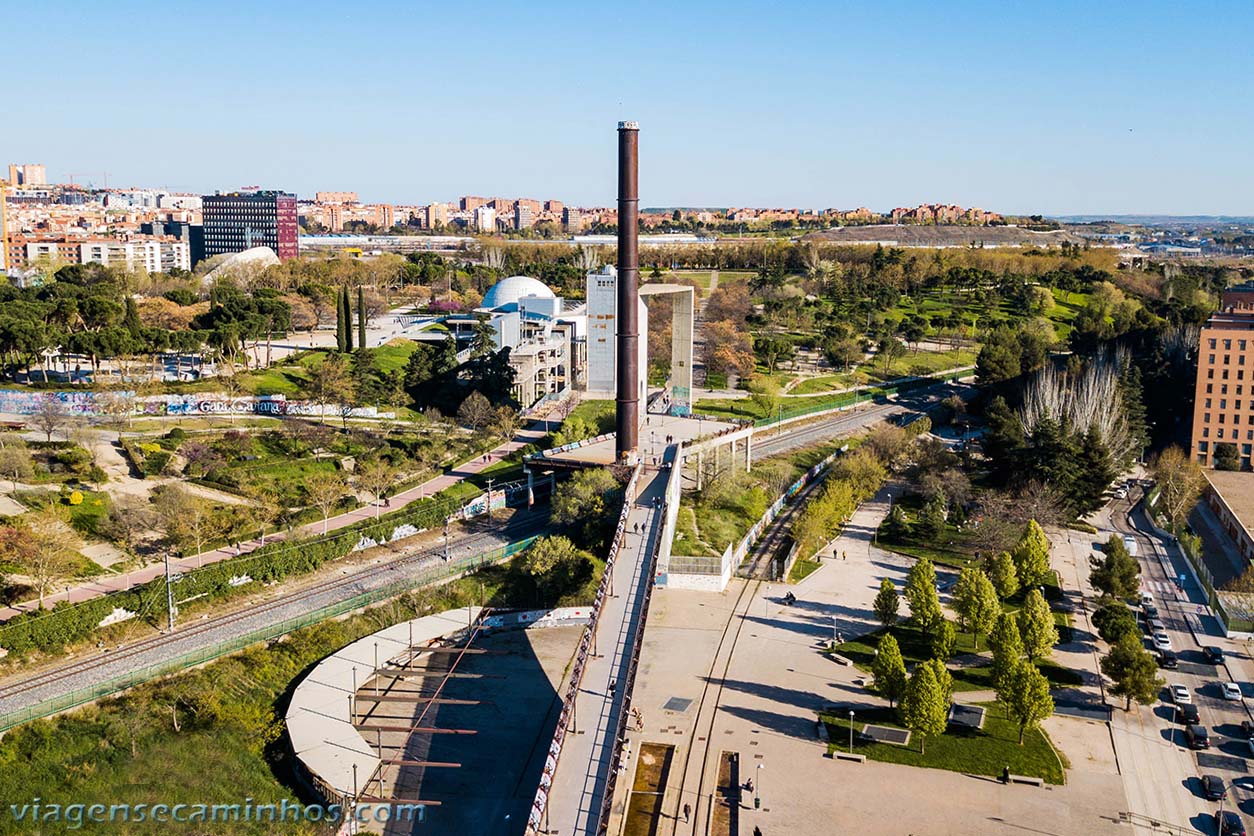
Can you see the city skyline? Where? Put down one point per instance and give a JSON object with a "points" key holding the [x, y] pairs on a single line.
{"points": [[978, 106]]}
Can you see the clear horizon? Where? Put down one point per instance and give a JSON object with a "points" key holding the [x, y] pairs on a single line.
{"points": [[1065, 110]]}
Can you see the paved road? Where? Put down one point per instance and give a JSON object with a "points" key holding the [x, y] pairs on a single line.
{"points": [[823, 429], [339, 583], [1161, 775]]}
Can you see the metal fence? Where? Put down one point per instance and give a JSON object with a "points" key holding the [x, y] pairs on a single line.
{"points": [[82, 696]]}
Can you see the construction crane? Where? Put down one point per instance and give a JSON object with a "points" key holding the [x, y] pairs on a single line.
{"points": [[104, 174]]}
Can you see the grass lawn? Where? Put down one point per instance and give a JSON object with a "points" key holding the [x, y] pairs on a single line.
{"points": [[983, 752], [802, 569], [925, 362], [915, 648], [291, 376]]}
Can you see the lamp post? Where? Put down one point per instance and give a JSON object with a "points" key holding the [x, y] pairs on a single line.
{"points": [[757, 789], [851, 731]]}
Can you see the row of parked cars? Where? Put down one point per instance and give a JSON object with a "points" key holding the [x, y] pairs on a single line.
{"points": [[1196, 736]]}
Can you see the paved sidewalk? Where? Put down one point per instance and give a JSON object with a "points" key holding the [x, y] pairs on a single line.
{"points": [[578, 788], [755, 675], [106, 584]]}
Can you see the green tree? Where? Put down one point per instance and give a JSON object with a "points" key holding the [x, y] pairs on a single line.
{"points": [[1027, 698], [583, 503], [887, 602], [329, 382], [925, 609], [348, 319], [975, 601], [943, 678], [1119, 574], [943, 641], [889, 669], [924, 709], [361, 317], [1114, 620], [1007, 647], [931, 520], [1133, 671], [1036, 625], [553, 562], [1031, 556], [1226, 456], [1001, 571]]}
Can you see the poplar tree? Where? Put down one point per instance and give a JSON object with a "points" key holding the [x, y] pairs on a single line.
{"points": [[923, 708], [1028, 698], [361, 317], [886, 603], [1031, 555], [889, 669], [1036, 624], [925, 610]]}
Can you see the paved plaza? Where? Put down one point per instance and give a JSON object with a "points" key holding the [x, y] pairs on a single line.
{"points": [[754, 671]]}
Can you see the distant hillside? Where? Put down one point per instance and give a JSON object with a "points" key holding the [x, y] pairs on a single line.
{"points": [[909, 235]]}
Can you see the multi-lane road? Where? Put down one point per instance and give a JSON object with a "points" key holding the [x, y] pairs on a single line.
{"points": [[1162, 776]]}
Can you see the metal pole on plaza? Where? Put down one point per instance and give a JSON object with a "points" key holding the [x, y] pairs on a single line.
{"points": [[851, 731]]}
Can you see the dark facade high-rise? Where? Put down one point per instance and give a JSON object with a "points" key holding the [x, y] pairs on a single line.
{"points": [[238, 221]]}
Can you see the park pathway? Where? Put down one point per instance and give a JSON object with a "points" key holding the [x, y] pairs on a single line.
{"points": [[107, 584]]}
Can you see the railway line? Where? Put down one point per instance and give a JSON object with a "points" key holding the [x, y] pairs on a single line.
{"points": [[208, 631]]}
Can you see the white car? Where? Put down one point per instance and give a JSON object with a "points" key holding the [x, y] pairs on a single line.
{"points": [[1180, 694], [1146, 598], [1156, 626], [1162, 641], [1230, 690]]}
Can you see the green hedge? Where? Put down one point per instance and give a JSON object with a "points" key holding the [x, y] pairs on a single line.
{"points": [[67, 624]]}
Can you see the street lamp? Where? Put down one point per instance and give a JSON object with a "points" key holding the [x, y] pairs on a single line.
{"points": [[851, 731], [757, 789]]}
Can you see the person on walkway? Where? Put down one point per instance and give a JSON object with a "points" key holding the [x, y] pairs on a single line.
{"points": [[613, 686], [687, 812]]}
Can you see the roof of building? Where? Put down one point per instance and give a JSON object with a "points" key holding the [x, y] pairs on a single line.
{"points": [[1236, 489], [510, 290]]}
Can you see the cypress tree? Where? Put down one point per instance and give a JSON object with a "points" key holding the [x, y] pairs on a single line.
{"points": [[361, 317], [340, 323], [348, 320]]}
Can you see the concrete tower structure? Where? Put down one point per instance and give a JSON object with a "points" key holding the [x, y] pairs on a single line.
{"points": [[627, 400]]}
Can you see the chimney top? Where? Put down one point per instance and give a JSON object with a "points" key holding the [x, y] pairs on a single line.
{"points": [[629, 126]]}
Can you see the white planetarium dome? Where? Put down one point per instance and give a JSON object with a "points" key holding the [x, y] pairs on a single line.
{"points": [[509, 290]]}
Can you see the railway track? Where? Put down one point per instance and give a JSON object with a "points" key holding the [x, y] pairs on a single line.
{"points": [[353, 584]]}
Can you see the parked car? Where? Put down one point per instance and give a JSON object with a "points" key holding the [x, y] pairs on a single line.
{"points": [[1187, 714], [1129, 543], [1230, 691], [1213, 787], [1180, 694], [1197, 737], [1247, 729], [1228, 823], [1146, 598], [1121, 492], [1168, 660], [1162, 641], [1156, 626], [1214, 655], [1151, 611]]}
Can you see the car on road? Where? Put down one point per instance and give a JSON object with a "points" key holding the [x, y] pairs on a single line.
{"points": [[1180, 694], [1228, 823], [1230, 691], [1129, 543], [1168, 660], [1162, 641], [1213, 787], [1156, 626], [1151, 611], [1213, 655], [1146, 599], [1121, 492], [1197, 737], [1187, 714]]}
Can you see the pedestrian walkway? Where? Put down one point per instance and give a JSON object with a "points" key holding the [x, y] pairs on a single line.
{"points": [[583, 770], [107, 584]]}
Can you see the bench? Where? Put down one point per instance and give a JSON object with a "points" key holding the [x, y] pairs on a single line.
{"points": [[846, 756], [1027, 779], [840, 660]]}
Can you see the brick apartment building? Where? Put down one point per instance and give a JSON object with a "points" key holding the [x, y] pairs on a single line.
{"points": [[1223, 409]]}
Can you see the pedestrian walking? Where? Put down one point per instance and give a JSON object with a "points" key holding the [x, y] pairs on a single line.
{"points": [[844, 555], [613, 686], [687, 812]]}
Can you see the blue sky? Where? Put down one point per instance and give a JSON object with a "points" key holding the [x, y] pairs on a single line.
{"points": [[1062, 107]]}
